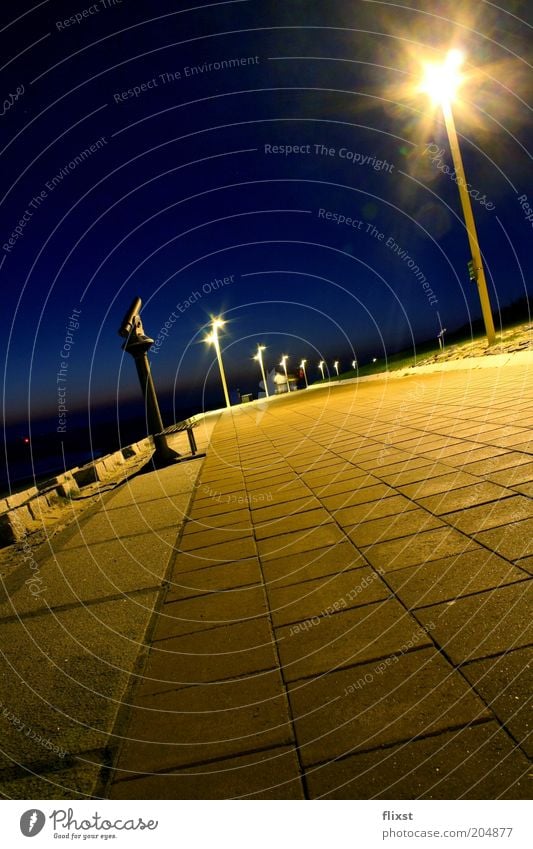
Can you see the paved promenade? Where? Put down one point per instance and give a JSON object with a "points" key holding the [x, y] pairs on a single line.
{"points": [[335, 603], [348, 611]]}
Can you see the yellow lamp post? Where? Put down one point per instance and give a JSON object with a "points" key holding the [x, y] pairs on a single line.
{"points": [[259, 358], [283, 363], [212, 339], [302, 366], [441, 83]]}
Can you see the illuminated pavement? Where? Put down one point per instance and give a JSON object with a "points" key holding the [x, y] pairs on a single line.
{"points": [[346, 611], [350, 605]]}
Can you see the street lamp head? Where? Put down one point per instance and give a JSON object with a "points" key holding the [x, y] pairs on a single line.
{"points": [[210, 338], [284, 359], [302, 364], [442, 81], [218, 322]]}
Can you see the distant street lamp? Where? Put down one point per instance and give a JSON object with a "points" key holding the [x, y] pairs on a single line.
{"points": [[354, 364], [441, 83], [283, 363], [302, 366], [374, 360], [321, 367], [440, 337], [336, 367], [212, 339], [259, 358]]}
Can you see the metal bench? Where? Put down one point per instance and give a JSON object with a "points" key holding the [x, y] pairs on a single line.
{"points": [[186, 425]]}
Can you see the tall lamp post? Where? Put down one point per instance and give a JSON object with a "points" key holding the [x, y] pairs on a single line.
{"points": [[336, 367], [441, 82], [302, 366], [283, 363], [259, 358], [321, 367], [212, 338]]}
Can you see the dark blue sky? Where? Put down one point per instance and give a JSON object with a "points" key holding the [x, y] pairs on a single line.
{"points": [[188, 116]]}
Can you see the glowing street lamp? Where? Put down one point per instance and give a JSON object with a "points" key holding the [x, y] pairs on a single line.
{"points": [[321, 367], [259, 358], [336, 367], [283, 363], [354, 364], [441, 82], [212, 338], [302, 366]]}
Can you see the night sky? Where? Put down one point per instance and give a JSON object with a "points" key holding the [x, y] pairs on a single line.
{"points": [[269, 161]]}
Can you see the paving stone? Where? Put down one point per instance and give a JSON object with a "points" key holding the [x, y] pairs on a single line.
{"points": [[417, 549], [266, 514], [484, 624], [263, 775], [295, 522], [514, 541], [452, 577], [364, 495], [359, 708], [476, 762], [278, 493], [336, 472], [282, 475], [475, 454], [490, 466], [214, 654], [212, 537], [207, 722], [389, 468], [186, 616], [493, 515], [295, 542], [214, 579], [392, 527], [355, 482], [202, 509], [442, 483], [505, 683], [357, 513], [312, 564], [324, 596], [239, 518], [526, 563], [522, 474], [388, 461], [460, 499], [343, 639], [422, 473], [212, 555]]}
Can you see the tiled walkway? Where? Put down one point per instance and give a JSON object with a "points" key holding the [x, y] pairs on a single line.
{"points": [[349, 607]]}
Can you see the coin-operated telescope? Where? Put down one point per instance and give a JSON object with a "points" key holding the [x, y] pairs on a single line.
{"points": [[138, 344]]}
